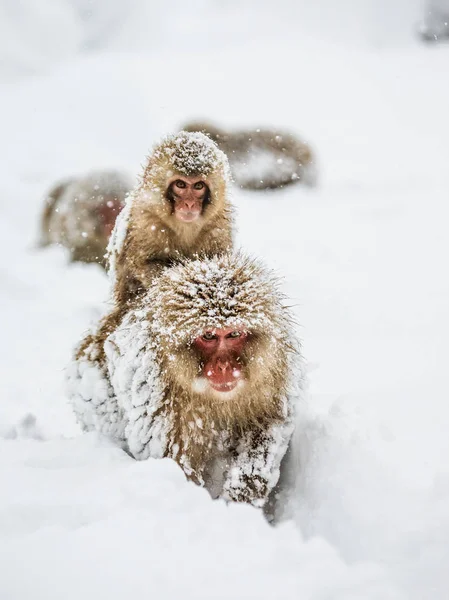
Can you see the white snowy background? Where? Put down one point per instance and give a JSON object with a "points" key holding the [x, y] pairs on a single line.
{"points": [[94, 84]]}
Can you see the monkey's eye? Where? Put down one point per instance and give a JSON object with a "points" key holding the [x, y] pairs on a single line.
{"points": [[180, 183], [199, 185], [208, 336], [235, 334]]}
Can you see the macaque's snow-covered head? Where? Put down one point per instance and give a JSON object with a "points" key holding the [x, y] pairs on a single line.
{"points": [[222, 331], [185, 177]]}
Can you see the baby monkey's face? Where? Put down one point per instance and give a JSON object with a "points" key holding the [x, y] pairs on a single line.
{"points": [[188, 195]]}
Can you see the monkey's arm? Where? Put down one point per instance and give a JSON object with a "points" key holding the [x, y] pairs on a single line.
{"points": [[254, 471], [136, 266], [135, 377], [92, 396]]}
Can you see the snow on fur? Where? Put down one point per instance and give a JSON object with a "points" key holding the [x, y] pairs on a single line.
{"points": [[130, 399], [260, 463], [225, 291], [118, 235], [93, 398], [118, 399], [135, 377], [184, 153], [191, 154]]}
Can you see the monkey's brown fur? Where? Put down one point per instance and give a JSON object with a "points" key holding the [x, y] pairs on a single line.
{"points": [[230, 444], [69, 217], [154, 238], [51, 202], [285, 159]]}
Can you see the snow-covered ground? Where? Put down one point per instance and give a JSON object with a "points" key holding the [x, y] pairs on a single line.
{"points": [[364, 257]]}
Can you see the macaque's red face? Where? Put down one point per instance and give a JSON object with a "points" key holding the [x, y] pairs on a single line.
{"points": [[221, 352], [108, 212], [188, 195]]}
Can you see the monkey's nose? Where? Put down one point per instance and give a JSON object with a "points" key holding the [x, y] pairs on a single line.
{"points": [[222, 365], [189, 204]]}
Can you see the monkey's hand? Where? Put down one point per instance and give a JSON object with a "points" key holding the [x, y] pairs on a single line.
{"points": [[255, 469]]}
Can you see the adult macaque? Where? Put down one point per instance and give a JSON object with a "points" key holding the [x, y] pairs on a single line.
{"points": [[80, 214], [262, 158], [179, 210], [201, 370]]}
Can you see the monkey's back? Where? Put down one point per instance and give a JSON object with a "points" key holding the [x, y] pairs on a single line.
{"points": [[263, 158]]}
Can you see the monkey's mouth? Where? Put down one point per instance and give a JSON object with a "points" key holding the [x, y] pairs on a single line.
{"points": [[227, 386], [223, 389], [187, 216]]}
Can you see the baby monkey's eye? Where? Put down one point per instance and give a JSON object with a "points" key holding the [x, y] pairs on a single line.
{"points": [[235, 334], [180, 183], [208, 336], [198, 185]]}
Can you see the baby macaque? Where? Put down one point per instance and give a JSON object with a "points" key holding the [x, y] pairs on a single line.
{"points": [[180, 209], [80, 214], [200, 369], [262, 158]]}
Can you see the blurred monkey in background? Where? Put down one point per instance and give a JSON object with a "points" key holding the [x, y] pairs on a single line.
{"points": [[80, 214], [262, 158]]}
